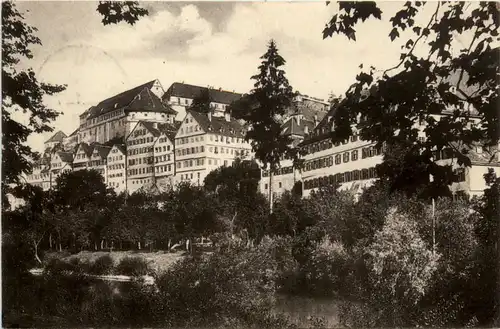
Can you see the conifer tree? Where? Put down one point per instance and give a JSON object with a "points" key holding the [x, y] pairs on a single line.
{"points": [[271, 96]]}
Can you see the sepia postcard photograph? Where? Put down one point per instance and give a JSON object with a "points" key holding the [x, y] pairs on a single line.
{"points": [[250, 164]]}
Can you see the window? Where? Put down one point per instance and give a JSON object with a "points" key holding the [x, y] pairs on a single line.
{"points": [[346, 157], [279, 184], [354, 155], [338, 159], [265, 186]]}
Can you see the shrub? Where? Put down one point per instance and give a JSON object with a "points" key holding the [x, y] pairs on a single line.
{"points": [[102, 265], [234, 287], [133, 266]]}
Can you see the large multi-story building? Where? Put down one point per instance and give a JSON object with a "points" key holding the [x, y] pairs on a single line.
{"points": [[116, 116], [205, 142], [116, 164], [181, 95]]}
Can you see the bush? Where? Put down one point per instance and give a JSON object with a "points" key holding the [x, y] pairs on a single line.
{"points": [[133, 266], [102, 265], [233, 287]]}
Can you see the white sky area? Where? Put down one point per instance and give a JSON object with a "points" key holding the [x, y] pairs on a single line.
{"points": [[217, 44]]}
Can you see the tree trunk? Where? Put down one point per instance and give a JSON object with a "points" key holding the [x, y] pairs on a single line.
{"points": [[139, 245], [36, 253], [95, 245], [60, 246], [121, 245], [102, 244], [169, 243], [50, 241], [271, 191]]}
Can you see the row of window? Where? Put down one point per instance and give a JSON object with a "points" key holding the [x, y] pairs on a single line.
{"points": [[140, 150], [119, 174], [165, 148], [140, 140], [345, 157], [162, 158], [144, 160], [186, 140], [280, 171], [106, 116], [160, 169], [191, 163], [116, 166], [190, 150], [139, 171], [326, 144], [115, 158], [189, 176], [340, 178]]}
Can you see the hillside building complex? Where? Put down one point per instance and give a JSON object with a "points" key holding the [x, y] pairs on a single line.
{"points": [[148, 139]]}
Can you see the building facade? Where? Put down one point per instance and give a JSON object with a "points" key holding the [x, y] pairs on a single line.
{"points": [[205, 142], [181, 95]]}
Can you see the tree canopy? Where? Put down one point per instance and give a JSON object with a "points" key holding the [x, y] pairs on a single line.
{"points": [[201, 103], [21, 92], [457, 83]]}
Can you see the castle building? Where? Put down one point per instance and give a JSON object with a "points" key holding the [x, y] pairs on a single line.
{"points": [[181, 95], [116, 116]]}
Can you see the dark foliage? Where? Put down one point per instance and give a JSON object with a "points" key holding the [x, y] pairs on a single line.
{"points": [[114, 12]]}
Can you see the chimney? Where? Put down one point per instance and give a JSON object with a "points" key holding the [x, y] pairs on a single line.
{"points": [[227, 116], [209, 116], [306, 130]]}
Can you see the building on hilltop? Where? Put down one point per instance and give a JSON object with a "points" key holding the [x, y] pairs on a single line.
{"points": [[205, 142], [116, 116], [181, 95]]}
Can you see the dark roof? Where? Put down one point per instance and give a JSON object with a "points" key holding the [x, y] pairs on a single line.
{"points": [[86, 148], [151, 127], [66, 156], [293, 127], [219, 125], [308, 110], [318, 132], [169, 130], [190, 91], [101, 149], [145, 100], [57, 137], [118, 101], [122, 148], [138, 98]]}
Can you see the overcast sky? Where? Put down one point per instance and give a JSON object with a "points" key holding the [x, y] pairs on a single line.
{"points": [[217, 44]]}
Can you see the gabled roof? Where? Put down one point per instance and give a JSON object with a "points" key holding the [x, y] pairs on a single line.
{"points": [[308, 110], [294, 126], [219, 125], [101, 149], [138, 98], [191, 91], [86, 148], [57, 137], [150, 126], [65, 156], [146, 101], [169, 130], [121, 147]]}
